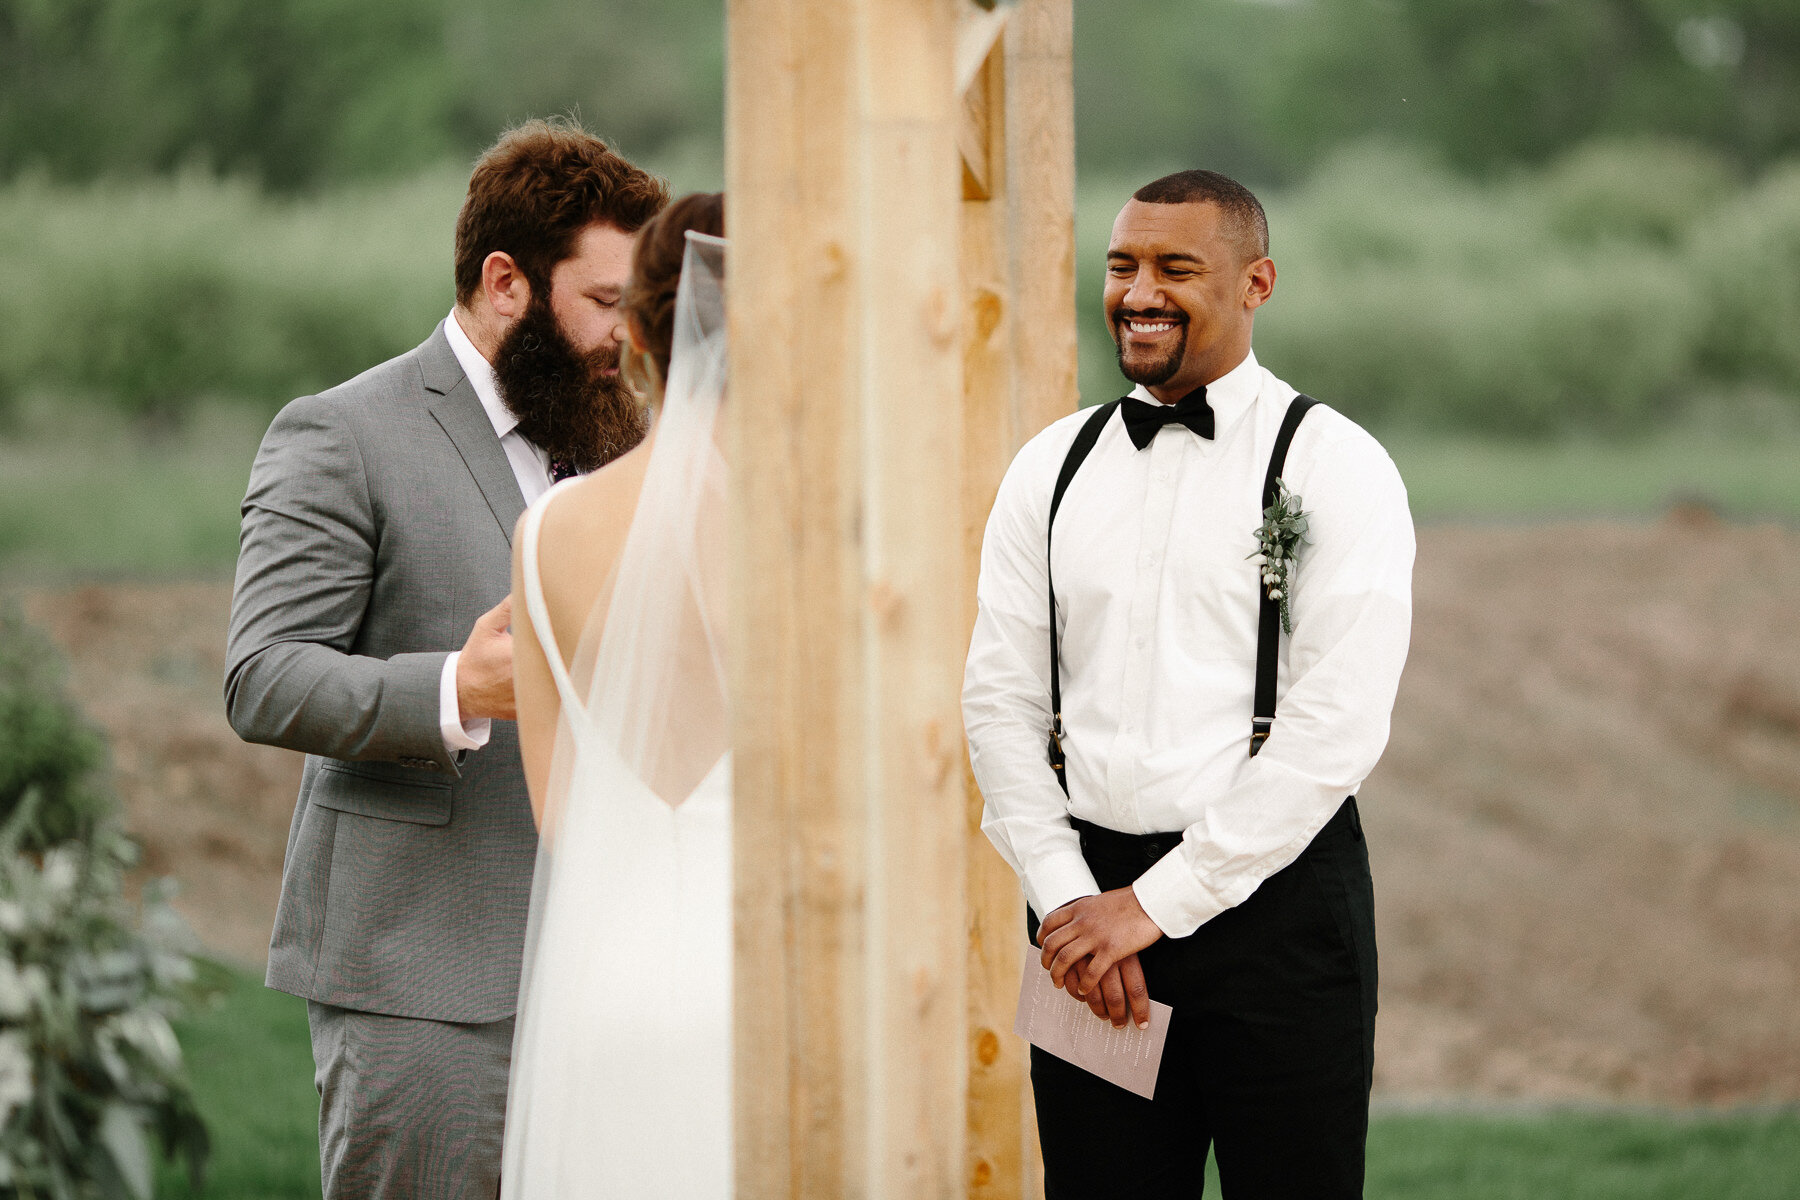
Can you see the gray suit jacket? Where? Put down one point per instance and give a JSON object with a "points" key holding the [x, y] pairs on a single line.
{"points": [[376, 529]]}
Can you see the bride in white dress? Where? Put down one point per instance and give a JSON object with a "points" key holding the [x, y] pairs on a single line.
{"points": [[622, 1066]]}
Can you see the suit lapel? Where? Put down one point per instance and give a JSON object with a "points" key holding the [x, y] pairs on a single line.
{"points": [[458, 410]]}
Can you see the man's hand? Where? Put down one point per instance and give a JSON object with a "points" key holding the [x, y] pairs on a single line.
{"points": [[1086, 941], [484, 679], [1122, 995]]}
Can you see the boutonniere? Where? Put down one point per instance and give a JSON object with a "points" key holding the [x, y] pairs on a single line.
{"points": [[1278, 541]]}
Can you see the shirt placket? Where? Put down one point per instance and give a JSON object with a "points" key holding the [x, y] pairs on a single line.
{"points": [[1140, 627]]}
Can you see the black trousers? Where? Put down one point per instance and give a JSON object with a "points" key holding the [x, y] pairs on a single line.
{"points": [[1271, 1046]]}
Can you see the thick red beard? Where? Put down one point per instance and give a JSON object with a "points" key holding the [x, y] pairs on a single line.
{"points": [[573, 406]]}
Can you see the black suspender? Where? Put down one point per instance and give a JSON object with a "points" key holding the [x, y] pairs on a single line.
{"points": [[1078, 450], [1268, 629], [1268, 617]]}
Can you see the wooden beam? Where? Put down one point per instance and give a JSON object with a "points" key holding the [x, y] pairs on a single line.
{"points": [[1020, 374], [975, 133], [996, 1153], [847, 628], [797, 861]]}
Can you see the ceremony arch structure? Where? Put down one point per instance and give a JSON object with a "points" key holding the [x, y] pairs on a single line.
{"points": [[902, 318]]}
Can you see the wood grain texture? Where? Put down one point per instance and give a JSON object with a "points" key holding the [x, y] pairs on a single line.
{"points": [[995, 1158], [791, 291], [1019, 375], [848, 632]]}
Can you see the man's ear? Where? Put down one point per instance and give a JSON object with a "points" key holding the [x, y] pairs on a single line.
{"points": [[508, 294], [1259, 282]]}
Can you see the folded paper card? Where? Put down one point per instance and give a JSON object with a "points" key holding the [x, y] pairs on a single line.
{"points": [[1057, 1023]]}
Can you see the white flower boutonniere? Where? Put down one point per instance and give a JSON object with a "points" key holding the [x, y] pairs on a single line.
{"points": [[1278, 541]]}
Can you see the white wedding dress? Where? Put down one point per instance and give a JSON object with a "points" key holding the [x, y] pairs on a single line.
{"points": [[622, 1066]]}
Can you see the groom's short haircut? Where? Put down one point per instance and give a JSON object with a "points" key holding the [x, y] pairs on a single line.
{"points": [[536, 189], [1248, 225]]}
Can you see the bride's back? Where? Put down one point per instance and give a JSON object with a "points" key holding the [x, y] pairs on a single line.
{"points": [[582, 534]]}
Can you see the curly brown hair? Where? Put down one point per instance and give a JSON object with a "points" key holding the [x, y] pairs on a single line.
{"points": [[536, 189], [649, 300]]}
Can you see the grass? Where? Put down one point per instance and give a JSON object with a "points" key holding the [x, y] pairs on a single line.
{"points": [[251, 1064], [250, 1060], [1744, 476], [86, 492], [1581, 1155]]}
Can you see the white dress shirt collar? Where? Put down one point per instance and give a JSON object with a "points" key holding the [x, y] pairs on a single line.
{"points": [[480, 373], [531, 469], [1230, 395]]}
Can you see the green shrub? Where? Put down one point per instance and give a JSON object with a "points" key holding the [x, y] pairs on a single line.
{"points": [[1421, 297], [49, 755], [156, 294], [1747, 260], [90, 1070], [1638, 190], [1605, 291]]}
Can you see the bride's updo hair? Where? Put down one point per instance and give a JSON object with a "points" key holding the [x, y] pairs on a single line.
{"points": [[649, 299]]}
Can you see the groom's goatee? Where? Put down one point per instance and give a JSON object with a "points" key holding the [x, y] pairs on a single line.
{"points": [[566, 402]]}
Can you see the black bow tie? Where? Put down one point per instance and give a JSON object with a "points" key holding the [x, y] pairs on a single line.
{"points": [[1143, 420]]}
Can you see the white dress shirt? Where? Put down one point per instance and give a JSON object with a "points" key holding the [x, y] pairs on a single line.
{"points": [[1157, 604], [531, 467]]}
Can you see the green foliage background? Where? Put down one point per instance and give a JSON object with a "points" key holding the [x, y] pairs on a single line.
{"points": [[298, 95], [1491, 216]]}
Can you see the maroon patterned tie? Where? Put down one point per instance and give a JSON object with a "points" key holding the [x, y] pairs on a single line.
{"points": [[561, 469]]}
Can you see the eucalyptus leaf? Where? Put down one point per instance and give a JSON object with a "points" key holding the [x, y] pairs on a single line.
{"points": [[88, 980], [122, 1134]]}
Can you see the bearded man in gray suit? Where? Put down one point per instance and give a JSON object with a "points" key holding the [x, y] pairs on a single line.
{"points": [[376, 541]]}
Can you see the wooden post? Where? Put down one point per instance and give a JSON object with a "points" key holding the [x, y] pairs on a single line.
{"points": [[847, 633], [1019, 375], [877, 933]]}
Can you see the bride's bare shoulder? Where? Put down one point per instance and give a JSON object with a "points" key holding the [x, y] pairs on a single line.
{"points": [[599, 505], [582, 535]]}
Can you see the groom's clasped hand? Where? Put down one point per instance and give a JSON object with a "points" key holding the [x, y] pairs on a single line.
{"points": [[1090, 947], [484, 673]]}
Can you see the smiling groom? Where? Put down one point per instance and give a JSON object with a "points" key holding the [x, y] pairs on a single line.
{"points": [[1171, 772]]}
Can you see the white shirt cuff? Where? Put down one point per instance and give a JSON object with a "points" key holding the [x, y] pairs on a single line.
{"points": [[459, 735], [1057, 880], [1173, 896]]}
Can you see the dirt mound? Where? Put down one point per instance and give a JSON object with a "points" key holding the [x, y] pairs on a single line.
{"points": [[1586, 830], [148, 664]]}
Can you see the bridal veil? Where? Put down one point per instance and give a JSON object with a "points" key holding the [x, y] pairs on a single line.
{"points": [[622, 1067]]}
